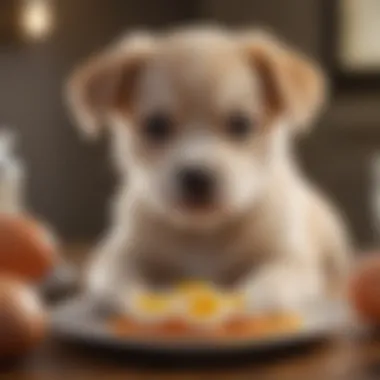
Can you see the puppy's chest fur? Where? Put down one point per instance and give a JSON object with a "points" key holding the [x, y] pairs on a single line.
{"points": [[165, 255]]}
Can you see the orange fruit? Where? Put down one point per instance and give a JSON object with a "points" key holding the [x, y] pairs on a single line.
{"points": [[22, 318], [27, 250], [365, 289]]}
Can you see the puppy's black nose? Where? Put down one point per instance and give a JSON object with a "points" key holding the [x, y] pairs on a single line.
{"points": [[197, 185]]}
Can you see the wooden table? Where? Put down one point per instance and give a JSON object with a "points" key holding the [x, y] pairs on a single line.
{"points": [[340, 359], [343, 360]]}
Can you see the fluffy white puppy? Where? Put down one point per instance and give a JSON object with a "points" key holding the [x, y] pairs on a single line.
{"points": [[202, 122]]}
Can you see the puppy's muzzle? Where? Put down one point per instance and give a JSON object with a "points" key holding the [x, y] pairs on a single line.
{"points": [[197, 186]]}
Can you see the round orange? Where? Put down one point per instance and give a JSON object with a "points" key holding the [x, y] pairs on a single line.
{"points": [[22, 318], [27, 249], [365, 289]]}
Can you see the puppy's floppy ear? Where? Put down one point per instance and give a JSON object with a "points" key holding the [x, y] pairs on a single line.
{"points": [[293, 86], [99, 86]]}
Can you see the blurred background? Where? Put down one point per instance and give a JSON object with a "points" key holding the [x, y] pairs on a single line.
{"points": [[69, 182]]}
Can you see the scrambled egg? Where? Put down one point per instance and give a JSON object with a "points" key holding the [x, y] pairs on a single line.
{"points": [[203, 305], [152, 307], [200, 305], [195, 303]]}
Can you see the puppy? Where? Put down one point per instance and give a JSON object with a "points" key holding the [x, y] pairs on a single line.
{"points": [[202, 122]]}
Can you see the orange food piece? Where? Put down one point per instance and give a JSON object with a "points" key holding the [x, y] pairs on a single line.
{"points": [[174, 327], [22, 318], [365, 289], [264, 325], [124, 326], [26, 249], [253, 327]]}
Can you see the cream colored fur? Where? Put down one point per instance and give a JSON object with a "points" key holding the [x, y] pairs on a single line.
{"points": [[272, 233]]}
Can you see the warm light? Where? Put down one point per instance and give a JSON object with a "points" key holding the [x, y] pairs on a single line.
{"points": [[37, 18]]}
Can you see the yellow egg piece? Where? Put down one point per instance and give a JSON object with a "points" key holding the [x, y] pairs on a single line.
{"points": [[205, 308], [152, 306], [236, 301], [204, 304]]}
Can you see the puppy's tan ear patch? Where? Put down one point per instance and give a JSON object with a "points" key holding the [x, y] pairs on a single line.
{"points": [[98, 87], [293, 86]]}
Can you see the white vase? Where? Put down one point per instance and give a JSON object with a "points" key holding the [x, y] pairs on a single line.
{"points": [[11, 176]]}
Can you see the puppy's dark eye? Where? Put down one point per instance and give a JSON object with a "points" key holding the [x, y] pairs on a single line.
{"points": [[239, 125], [158, 127]]}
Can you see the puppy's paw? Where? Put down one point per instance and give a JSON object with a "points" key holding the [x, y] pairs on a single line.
{"points": [[104, 295], [102, 305], [279, 289]]}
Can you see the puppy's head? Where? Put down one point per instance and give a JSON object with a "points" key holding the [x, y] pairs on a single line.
{"points": [[200, 118]]}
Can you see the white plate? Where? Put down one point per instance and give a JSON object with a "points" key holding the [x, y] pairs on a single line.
{"points": [[77, 320]]}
